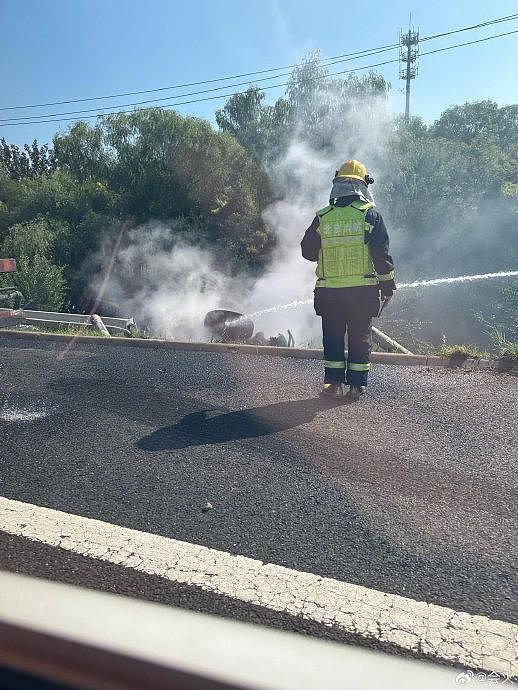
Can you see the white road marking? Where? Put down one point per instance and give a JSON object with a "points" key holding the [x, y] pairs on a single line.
{"points": [[443, 633]]}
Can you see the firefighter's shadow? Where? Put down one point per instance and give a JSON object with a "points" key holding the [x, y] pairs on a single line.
{"points": [[215, 426]]}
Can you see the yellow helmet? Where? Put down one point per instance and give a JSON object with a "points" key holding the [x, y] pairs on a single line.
{"points": [[352, 169]]}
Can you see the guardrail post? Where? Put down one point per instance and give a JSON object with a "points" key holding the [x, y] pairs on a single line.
{"points": [[98, 324]]}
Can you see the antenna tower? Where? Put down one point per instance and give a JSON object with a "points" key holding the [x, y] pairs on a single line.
{"points": [[408, 68]]}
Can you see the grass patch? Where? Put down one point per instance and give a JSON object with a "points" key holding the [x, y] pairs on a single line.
{"points": [[508, 354], [71, 330], [461, 352], [76, 330], [140, 333], [59, 331]]}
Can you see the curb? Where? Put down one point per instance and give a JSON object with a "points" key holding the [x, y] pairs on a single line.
{"points": [[292, 352]]}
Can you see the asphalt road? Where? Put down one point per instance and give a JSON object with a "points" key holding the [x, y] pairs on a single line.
{"points": [[411, 491]]}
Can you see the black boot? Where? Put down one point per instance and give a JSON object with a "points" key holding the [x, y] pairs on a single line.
{"points": [[355, 393], [332, 390]]}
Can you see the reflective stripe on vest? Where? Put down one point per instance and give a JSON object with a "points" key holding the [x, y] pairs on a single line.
{"points": [[344, 259]]}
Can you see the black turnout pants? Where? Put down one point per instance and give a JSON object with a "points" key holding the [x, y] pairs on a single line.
{"points": [[354, 317]]}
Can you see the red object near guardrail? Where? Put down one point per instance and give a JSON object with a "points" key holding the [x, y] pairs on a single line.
{"points": [[7, 265], [11, 317]]}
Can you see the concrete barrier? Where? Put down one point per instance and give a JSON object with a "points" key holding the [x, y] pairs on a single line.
{"points": [[393, 358]]}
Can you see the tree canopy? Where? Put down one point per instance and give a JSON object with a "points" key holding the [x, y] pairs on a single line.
{"points": [[152, 164]]}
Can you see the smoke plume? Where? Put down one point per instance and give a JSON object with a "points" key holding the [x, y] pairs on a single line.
{"points": [[168, 285], [303, 180]]}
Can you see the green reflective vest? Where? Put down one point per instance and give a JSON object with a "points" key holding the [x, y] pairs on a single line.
{"points": [[344, 259]]}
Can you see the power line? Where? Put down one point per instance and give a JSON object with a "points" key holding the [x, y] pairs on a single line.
{"points": [[195, 100], [182, 95], [338, 58], [499, 20], [272, 86]]}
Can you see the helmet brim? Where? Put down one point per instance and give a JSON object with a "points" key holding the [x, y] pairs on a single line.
{"points": [[354, 177]]}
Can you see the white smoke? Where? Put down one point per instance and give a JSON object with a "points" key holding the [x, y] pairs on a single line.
{"points": [[303, 179], [169, 285]]}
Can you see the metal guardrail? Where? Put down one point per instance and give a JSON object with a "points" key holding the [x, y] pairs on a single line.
{"points": [[13, 317], [52, 318], [18, 316], [96, 641]]}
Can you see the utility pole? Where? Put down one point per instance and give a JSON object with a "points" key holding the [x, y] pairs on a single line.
{"points": [[408, 67]]}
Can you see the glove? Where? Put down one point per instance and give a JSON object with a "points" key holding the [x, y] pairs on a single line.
{"points": [[387, 288]]}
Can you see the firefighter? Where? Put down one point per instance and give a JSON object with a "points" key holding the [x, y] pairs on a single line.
{"points": [[349, 241]]}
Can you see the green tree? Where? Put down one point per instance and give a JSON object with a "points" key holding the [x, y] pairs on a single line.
{"points": [[481, 120], [467, 121], [81, 152], [317, 109], [33, 160], [263, 130], [160, 165], [40, 281], [324, 108]]}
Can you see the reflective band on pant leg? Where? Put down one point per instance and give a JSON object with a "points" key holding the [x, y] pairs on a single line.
{"points": [[334, 365], [358, 367]]}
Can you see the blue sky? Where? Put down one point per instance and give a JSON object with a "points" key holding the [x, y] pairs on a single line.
{"points": [[66, 49]]}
